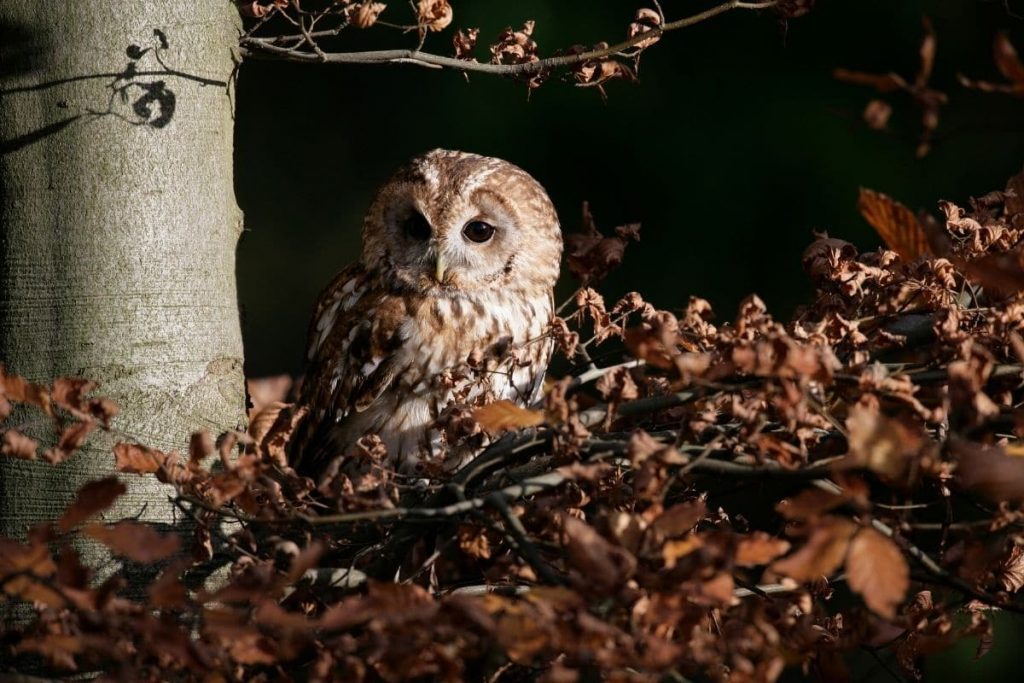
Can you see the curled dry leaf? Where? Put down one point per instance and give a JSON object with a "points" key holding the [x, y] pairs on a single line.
{"points": [[134, 458], [71, 439], [136, 541], [263, 420], [364, 15], [464, 43], [591, 255], [877, 114], [434, 15], [503, 415], [644, 21], [251, 9], [876, 568], [515, 47]]}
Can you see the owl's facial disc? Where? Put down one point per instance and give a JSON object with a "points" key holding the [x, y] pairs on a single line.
{"points": [[458, 224]]}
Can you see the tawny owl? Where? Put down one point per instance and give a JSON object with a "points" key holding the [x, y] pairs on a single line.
{"points": [[460, 254]]}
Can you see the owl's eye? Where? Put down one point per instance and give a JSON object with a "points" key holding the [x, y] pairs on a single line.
{"points": [[417, 227], [478, 231]]}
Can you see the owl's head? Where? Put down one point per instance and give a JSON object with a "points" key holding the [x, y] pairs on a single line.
{"points": [[456, 224]]}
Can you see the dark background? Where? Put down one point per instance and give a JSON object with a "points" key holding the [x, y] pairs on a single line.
{"points": [[736, 144]]}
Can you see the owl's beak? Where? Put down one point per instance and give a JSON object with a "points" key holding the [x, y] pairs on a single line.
{"points": [[440, 268]]}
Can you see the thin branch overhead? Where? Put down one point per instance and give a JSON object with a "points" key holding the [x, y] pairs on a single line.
{"points": [[513, 55]]}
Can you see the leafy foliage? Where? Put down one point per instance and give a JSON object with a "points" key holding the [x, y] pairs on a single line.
{"points": [[719, 501]]}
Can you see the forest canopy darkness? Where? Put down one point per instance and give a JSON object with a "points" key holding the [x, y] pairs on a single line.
{"points": [[734, 146]]}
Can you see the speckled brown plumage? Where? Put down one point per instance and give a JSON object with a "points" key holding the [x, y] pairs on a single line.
{"points": [[390, 331]]}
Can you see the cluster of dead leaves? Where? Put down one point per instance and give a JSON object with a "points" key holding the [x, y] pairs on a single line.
{"points": [[274, 24], [699, 499], [64, 407]]}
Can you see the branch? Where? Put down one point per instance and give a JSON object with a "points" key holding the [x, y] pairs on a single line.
{"points": [[270, 48]]}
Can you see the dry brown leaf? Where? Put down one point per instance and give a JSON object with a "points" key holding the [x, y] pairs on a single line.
{"points": [[473, 542], [263, 391], [673, 550], [1007, 60], [1001, 274], [877, 570], [881, 82], [645, 20], [896, 224], [71, 439], [603, 566], [877, 114], [1014, 199], [504, 415], [809, 504], [167, 591], [823, 552], [434, 15], [17, 445], [679, 519], [93, 498], [989, 471], [134, 458], [136, 541], [759, 548], [263, 420], [464, 43], [880, 443], [366, 13], [200, 446]]}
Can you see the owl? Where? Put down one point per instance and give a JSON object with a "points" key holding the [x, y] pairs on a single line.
{"points": [[459, 258]]}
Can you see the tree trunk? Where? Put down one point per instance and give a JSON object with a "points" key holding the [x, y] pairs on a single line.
{"points": [[118, 229]]}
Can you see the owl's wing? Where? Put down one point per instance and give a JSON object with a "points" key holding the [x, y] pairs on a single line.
{"points": [[351, 360]]}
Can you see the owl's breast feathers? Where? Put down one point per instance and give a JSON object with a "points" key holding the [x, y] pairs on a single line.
{"points": [[375, 355]]}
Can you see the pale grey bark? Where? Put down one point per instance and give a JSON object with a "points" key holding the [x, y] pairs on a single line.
{"points": [[118, 229]]}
